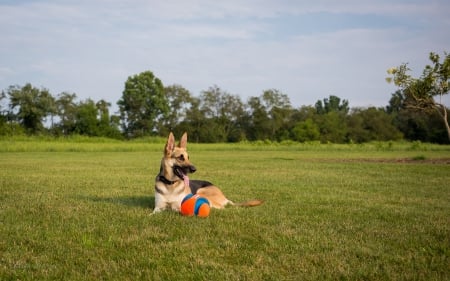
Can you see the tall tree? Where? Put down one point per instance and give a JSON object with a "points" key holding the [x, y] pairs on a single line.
{"points": [[331, 118], [333, 103], [425, 93], [333, 127], [259, 127], [194, 122], [369, 124], [3, 112], [66, 108], [33, 105], [179, 100], [143, 104], [3, 115], [223, 111], [86, 119], [108, 126], [103, 117], [414, 124], [306, 131], [279, 109]]}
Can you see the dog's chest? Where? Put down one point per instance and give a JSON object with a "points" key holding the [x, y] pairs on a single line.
{"points": [[173, 190], [168, 196]]}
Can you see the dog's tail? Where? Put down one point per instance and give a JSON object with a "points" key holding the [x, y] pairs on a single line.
{"points": [[249, 203]]}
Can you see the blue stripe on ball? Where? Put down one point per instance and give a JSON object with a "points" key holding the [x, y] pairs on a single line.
{"points": [[198, 203], [187, 197]]}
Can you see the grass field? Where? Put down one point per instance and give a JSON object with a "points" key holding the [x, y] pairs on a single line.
{"points": [[80, 210]]}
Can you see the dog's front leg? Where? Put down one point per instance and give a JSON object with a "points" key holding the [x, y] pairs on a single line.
{"points": [[160, 204]]}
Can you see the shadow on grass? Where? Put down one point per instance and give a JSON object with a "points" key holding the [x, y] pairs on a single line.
{"points": [[129, 201]]}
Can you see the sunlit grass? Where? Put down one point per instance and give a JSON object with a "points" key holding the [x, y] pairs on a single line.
{"points": [[97, 144], [331, 212]]}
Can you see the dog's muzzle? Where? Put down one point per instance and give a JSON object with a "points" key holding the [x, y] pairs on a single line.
{"points": [[182, 171]]}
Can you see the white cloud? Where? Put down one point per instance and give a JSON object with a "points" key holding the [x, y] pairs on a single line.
{"points": [[91, 47]]}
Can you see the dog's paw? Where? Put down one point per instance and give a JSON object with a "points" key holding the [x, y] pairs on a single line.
{"points": [[155, 211]]}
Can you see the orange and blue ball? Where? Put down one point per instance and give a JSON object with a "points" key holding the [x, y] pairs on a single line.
{"points": [[194, 205]]}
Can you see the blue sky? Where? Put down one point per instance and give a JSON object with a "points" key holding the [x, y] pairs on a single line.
{"points": [[308, 50]]}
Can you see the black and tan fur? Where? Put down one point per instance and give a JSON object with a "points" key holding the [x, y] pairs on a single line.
{"points": [[170, 187]]}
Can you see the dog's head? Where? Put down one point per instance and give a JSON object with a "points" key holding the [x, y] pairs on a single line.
{"points": [[176, 159]]}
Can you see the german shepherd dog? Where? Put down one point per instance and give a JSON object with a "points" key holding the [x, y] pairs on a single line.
{"points": [[172, 183]]}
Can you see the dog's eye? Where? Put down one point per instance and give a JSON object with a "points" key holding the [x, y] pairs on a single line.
{"points": [[181, 157]]}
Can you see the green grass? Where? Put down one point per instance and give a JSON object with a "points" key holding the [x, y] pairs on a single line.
{"points": [[80, 210]]}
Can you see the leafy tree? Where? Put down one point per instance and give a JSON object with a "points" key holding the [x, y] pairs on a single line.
{"points": [[4, 115], [3, 112], [425, 93], [396, 103], [211, 102], [332, 127], [371, 124], [108, 126], [114, 131], [143, 104], [223, 111], [194, 122], [259, 126], [279, 109], [270, 114], [306, 131], [333, 103], [215, 116], [86, 119], [416, 125], [33, 106], [8, 124], [331, 118], [66, 109], [303, 113], [103, 117], [179, 100], [233, 111]]}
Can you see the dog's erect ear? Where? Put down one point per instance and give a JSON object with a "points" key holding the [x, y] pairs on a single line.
{"points": [[183, 141], [170, 145]]}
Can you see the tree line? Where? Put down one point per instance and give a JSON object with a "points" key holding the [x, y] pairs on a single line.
{"points": [[148, 108]]}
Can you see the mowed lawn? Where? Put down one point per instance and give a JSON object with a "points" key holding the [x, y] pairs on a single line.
{"points": [[83, 212]]}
